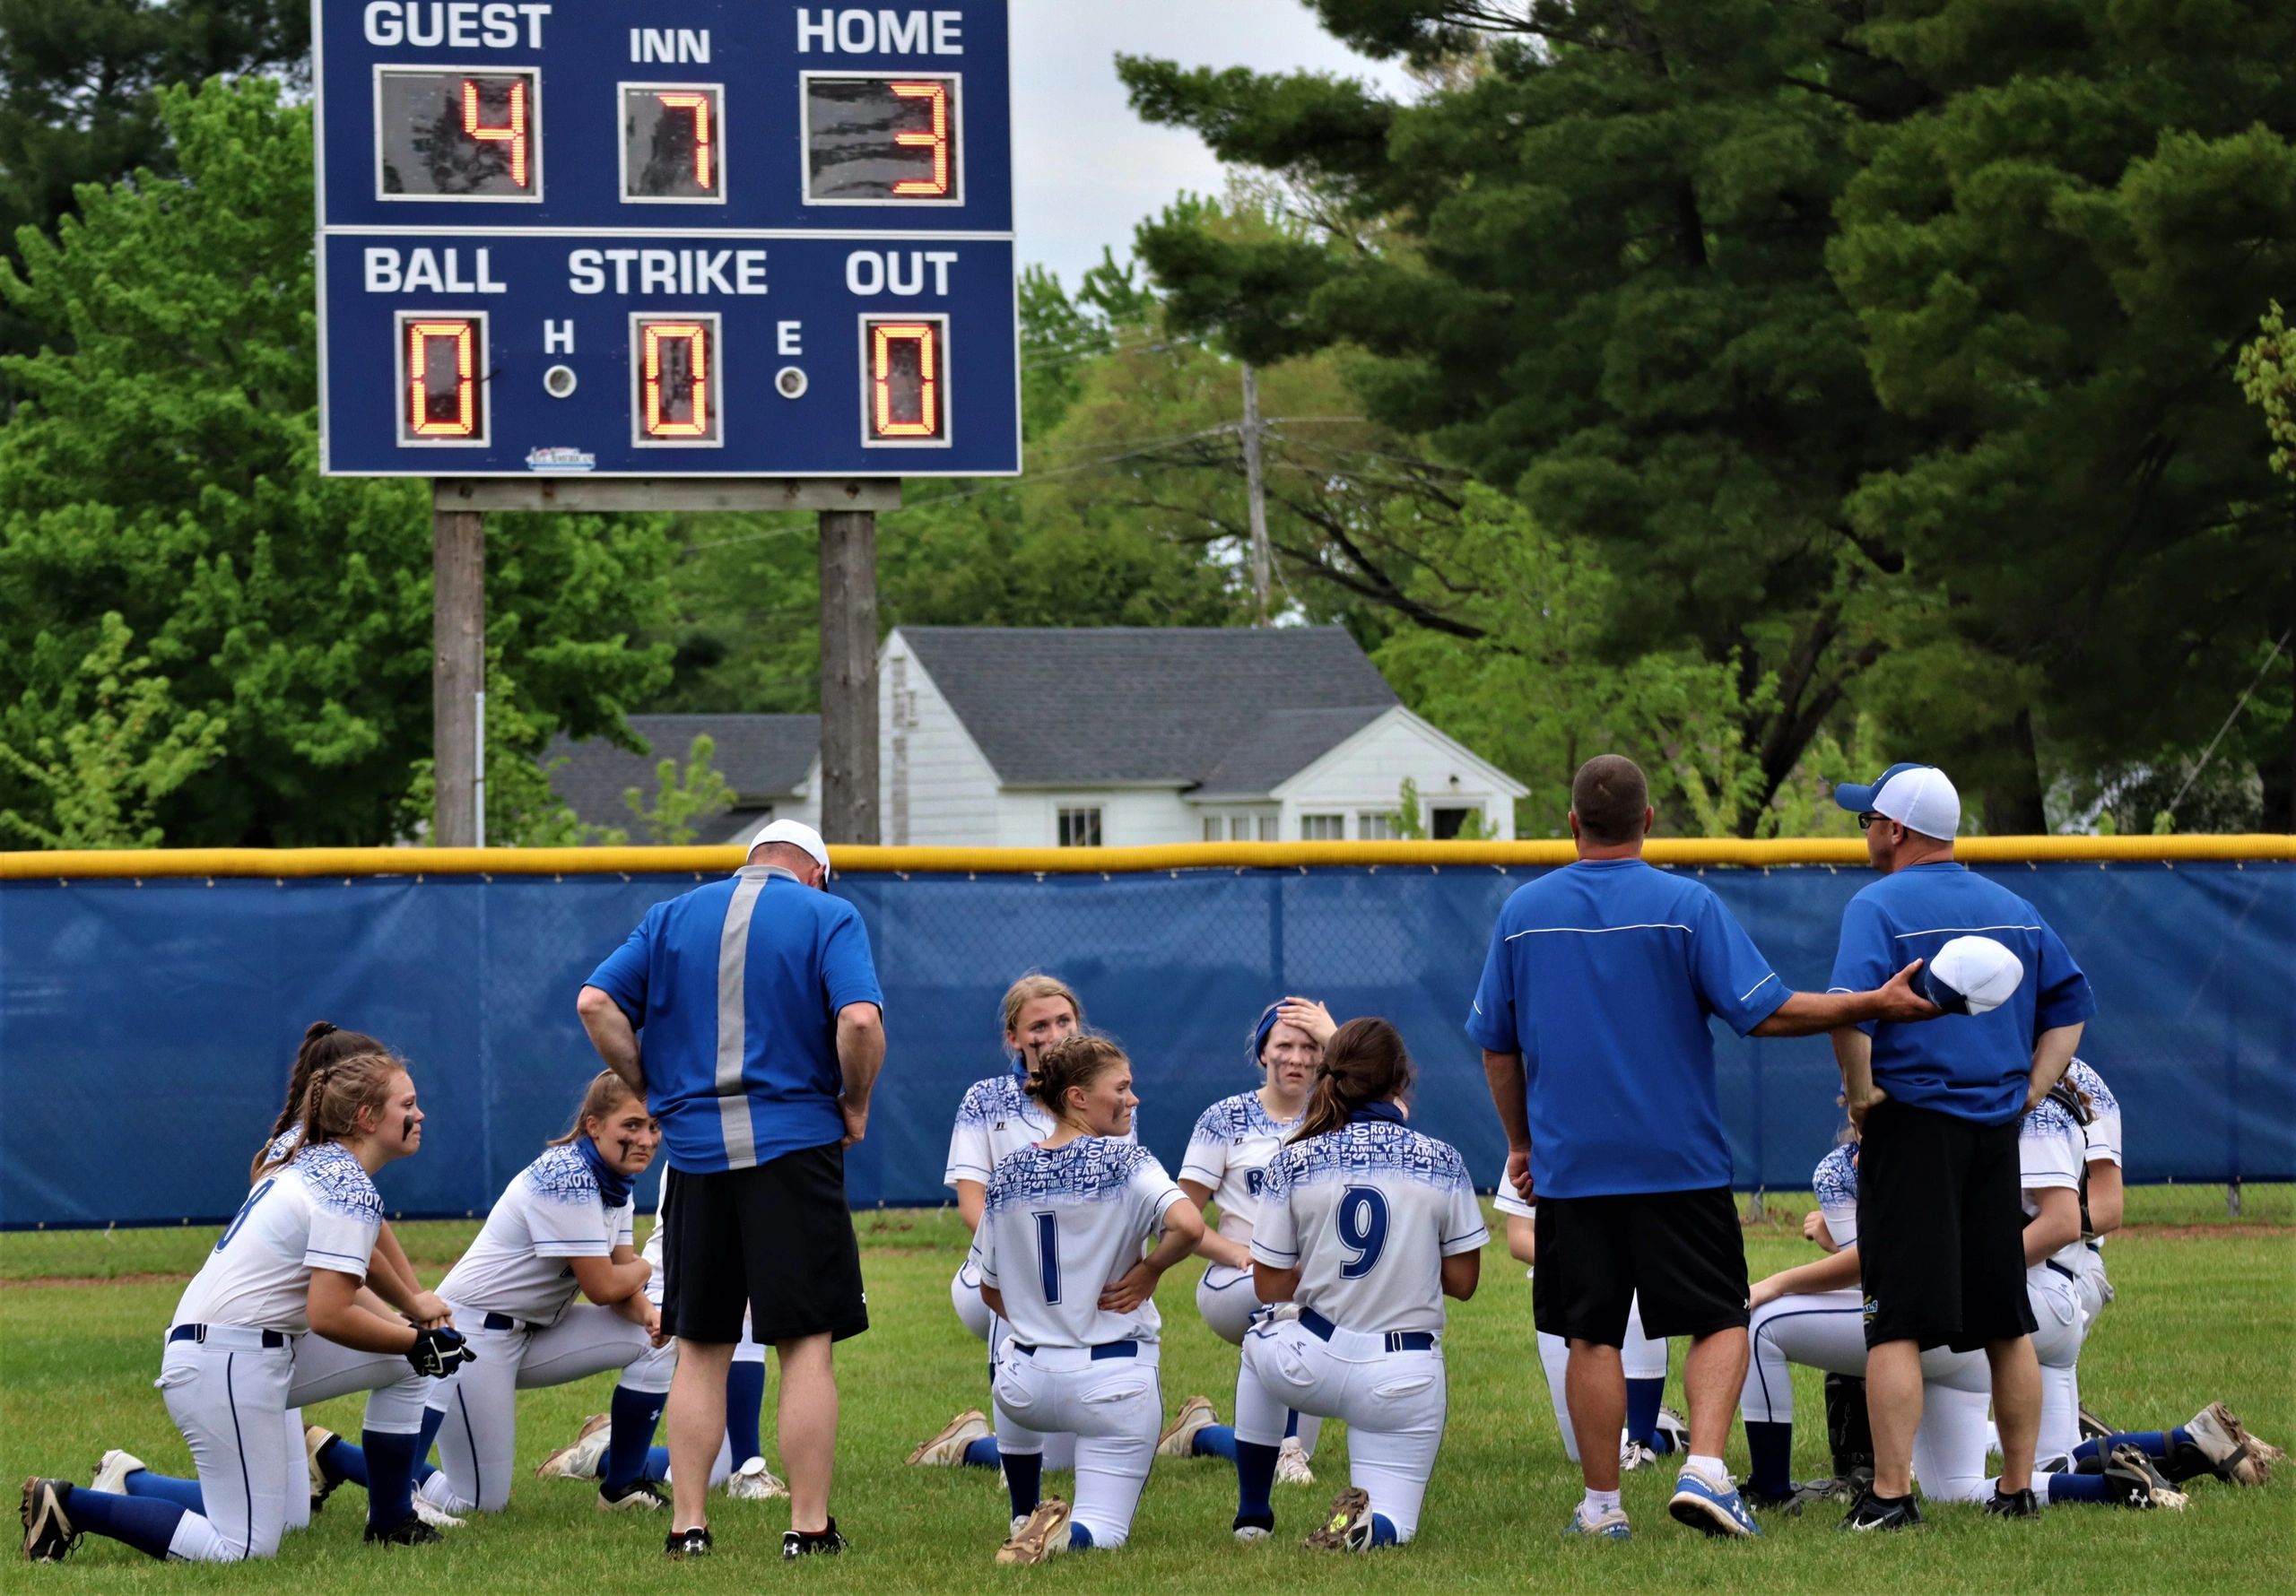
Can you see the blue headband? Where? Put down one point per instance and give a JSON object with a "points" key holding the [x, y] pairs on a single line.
{"points": [[1261, 1031]]}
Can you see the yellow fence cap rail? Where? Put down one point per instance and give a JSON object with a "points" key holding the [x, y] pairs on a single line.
{"points": [[283, 864]]}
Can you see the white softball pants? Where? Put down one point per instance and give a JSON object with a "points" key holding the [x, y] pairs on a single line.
{"points": [[2062, 1325], [1644, 1359], [232, 1397], [1113, 1407], [479, 1439], [1826, 1330], [1059, 1450], [1394, 1404], [1228, 1298]]}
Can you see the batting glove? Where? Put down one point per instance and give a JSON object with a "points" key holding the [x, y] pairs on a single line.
{"points": [[439, 1353]]}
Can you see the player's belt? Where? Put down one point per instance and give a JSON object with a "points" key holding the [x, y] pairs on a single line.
{"points": [[1104, 1350], [2053, 1263], [2097, 1247], [227, 1335], [1397, 1341]]}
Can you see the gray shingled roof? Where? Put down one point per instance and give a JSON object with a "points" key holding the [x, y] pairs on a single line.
{"points": [[762, 757], [1085, 707]]}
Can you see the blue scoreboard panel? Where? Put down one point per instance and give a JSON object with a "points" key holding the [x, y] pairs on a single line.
{"points": [[687, 237]]}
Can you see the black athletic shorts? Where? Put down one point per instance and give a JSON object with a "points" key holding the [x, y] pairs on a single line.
{"points": [[1681, 1251], [777, 1240], [1940, 1242]]}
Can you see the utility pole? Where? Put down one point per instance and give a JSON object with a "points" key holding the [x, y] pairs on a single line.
{"points": [[457, 674], [1256, 488], [848, 568]]}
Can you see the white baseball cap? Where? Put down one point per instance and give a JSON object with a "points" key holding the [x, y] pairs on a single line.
{"points": [[1970, 975], [1919, 797], [797, 835]]}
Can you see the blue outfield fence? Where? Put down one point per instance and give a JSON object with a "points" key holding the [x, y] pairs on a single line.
{"points": [[146, 1028]]}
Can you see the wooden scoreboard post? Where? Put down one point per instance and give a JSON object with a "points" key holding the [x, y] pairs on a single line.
{"points": [[749, 255]]}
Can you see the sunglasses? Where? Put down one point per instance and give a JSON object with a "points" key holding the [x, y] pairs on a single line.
{"points": [[1865, 819]]}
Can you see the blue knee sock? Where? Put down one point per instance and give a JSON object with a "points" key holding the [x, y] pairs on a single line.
{"points": [[630, 1438], [983, 1453], [744, 1397], [1291, 1425], [1255, 1482], [1772, 1447], [1079, 1539], [2152, 1443], [1214, 1440], [1024, 1481], [147, 1523], [1383, 1530], [390, 1477], [165, 1487], [343, 1462], [2072, 1488], [1642, 1400]]}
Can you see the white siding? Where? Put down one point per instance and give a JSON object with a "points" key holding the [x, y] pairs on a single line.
{"points": [[1130, 817], [927, 763], [1367, 772]]}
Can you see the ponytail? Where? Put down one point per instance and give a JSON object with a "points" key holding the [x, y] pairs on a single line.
{"points": [[607, 1091], [1364, 1062]]}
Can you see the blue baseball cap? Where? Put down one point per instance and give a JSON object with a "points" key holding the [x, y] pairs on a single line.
{"points": [[1920, 797]]}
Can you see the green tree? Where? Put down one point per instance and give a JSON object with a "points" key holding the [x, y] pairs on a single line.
{"points": [[80, 83], [682, 797], [1762, 301], [2266, 372], [120, 747], [163, 466]]}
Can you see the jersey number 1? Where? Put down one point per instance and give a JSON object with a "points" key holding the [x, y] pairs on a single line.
{"points": [[1362, 1229], [1048, 1256]]}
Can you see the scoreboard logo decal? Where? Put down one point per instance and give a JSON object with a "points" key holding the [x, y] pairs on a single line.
{"points": [[539, 225]]}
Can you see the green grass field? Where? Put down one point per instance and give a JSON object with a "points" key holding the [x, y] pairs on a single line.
{"points": [[2204, 1313]]}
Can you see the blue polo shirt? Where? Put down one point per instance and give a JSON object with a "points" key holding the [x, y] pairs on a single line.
{"points": [[1973, 1066], [735, 988], [1602, 975]]}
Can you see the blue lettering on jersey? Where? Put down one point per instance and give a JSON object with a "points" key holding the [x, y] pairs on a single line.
{"points": [[2100, 1096], [1253, 1179], [1089, 1170], [1835, 1179], [338, 1182], [1373, 1147], [562, 1174], [246, 1207], [1362, 1219]]}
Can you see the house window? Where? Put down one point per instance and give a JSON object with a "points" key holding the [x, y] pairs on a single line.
{"points": [[1080, 828], [1444, 824], [1267, 827], [1386, 827], [1239, 828], [1323, 827], [1214, 828]]}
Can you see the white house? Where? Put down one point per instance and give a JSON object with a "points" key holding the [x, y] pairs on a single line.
{"points": [[1121, 736]]}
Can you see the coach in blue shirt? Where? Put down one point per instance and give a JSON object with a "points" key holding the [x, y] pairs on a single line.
{"points": [[1592, 1017], [1940, 1227], [764, 1036]]}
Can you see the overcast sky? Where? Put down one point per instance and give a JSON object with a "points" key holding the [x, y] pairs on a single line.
{"points": [[1085, 169]]}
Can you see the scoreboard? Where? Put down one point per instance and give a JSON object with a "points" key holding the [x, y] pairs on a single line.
{"points": [[697, 237]]}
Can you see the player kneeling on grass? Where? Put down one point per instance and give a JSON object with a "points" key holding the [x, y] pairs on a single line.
{"points": [[1058, 1254], [1364, 1226], [290, 1265]]}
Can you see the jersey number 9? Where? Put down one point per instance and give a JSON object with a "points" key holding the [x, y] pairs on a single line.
{"points": [[1362, 1218]]}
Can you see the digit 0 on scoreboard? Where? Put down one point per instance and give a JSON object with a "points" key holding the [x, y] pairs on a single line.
{"points": [[673, 144], [676, 366], [458, 133], [905, 381], [883, 140], [442, 375]]}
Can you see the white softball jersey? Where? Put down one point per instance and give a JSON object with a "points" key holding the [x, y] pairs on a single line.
{"points": [[1229, 1151], [1834, 1182], [2050, 1152], [550, 1213], [1367, 1213], [2103, 1129], [321, 1211], [1061, 1224], [996, 1119]]}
